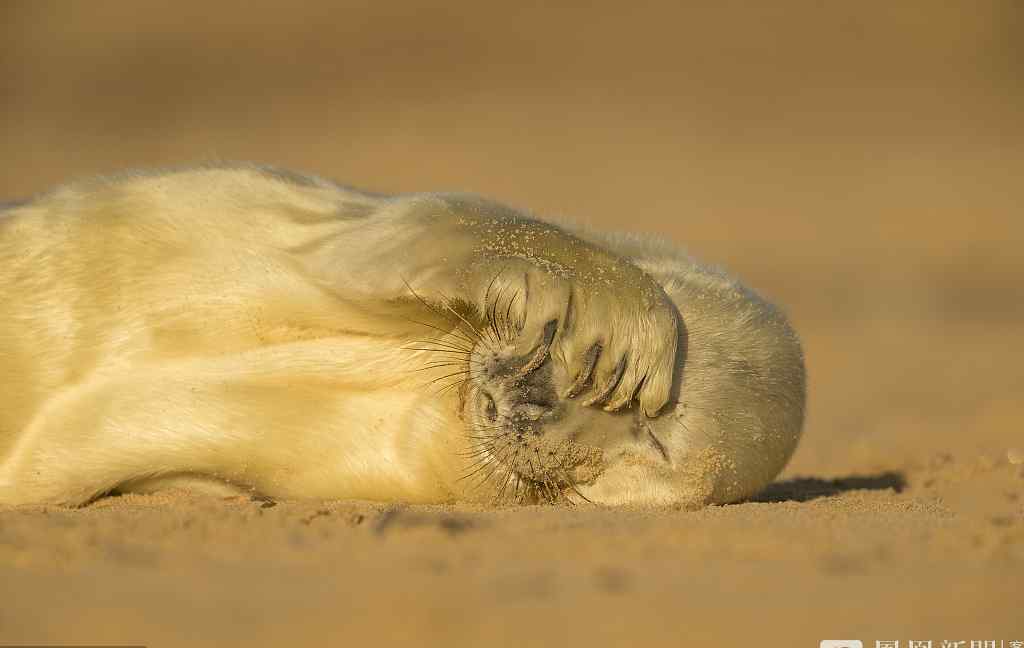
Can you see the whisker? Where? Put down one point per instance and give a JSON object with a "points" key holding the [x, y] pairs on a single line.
{"points": [[445, 363], [456, 373], [508, 315], [486, 429], [545, 480], [486, 438], [490, 315], [576, 490], [451, 356], [494, 465], [562, 470], [515, 494], [457, 332], [475, 457], [435, 310], [484, 433], [456, 384], [477, 466], [461, 378], [443, 342], [472, 328], [490, 322], [508, 476], [533, 474], [438, 365], [441, 348]]}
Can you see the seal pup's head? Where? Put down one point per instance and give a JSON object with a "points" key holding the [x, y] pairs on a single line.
{"points": [[733, 423]]}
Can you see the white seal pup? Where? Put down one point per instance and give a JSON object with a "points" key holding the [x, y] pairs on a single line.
{"points": [[245, 329]]}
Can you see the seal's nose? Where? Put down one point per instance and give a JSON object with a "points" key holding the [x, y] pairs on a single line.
{"points": [[531, 411]]}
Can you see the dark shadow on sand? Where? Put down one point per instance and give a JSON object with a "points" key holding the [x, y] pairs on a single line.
{"points": [[804, 489]]}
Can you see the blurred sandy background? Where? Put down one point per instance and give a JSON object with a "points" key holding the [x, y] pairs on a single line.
{"points": [[860, 163]]}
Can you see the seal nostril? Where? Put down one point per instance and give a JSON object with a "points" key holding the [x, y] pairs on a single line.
{"points": [[491, 408]]}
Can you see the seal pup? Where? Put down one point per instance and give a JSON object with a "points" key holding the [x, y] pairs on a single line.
{"points": [[247, 329]]}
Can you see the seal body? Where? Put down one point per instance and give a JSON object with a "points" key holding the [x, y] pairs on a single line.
{"points": [[246, 329]]}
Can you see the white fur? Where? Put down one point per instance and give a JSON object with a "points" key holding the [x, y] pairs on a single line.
{"points": [[248, 328]]}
